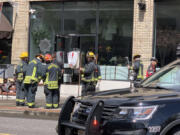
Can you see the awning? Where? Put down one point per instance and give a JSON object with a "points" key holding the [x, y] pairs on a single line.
{"points": [[5, 28]]}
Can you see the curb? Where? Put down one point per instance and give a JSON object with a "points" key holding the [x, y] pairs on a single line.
{"points": [[34, 113]]}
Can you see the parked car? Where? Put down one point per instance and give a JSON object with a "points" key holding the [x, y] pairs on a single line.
{"points": [[153, 109]]}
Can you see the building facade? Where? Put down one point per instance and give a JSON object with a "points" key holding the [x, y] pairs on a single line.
{"points": [[116, 29]]}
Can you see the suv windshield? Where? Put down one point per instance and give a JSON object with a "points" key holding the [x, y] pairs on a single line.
{"points": [[168, 78]]}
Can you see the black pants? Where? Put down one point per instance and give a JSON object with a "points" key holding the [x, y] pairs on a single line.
{"points": [[88, 88], [30, 90]]}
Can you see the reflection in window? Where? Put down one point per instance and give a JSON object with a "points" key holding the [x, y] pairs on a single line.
{"points": [[81, 16], [6, 37], [115, 32], [167, 30], [172, 77], [45, 24]]}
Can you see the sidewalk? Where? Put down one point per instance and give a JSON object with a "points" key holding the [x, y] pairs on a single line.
{"points": [[9, 109], [8, 104]]}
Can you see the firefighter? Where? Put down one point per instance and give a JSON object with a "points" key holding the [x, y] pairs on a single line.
{"points": [[137, 68], [89, 75], [20, 74], [51, 84], [32, 78], [152, 67]]}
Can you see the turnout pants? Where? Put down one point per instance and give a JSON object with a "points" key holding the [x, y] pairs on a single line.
{"points": [[20, 93], [88, 88], [30, 90], [52, 97]]}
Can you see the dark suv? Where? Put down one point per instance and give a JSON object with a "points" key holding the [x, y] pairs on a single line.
{"points": [[153, 109]]}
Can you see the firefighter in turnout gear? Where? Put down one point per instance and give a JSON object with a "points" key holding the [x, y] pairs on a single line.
{"points": [[51, 84], [20, 74], [89, 75], [32, 78], [137, 68]]}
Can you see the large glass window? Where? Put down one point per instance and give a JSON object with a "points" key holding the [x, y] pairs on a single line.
{"points": [[110, 22], [45, 23], [80, 18], [104, 27], [167, 30], [115, 32]]}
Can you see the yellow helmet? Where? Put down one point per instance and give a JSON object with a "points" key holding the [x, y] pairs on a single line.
{"points": [[108, 48], [24, 55], [90, 54]]}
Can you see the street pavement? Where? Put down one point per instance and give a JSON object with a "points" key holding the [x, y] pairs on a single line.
{"points": [[22, 126]]}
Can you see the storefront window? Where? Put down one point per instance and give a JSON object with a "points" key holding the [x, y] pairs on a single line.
{"points": [[167, 30], [80, 18], [115, 32], [45, 24], [104, 27], [6, 36]]}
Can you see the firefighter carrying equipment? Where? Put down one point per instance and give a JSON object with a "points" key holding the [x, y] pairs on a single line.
{"points": [[90, 55], [24, 55], [91, 73], [48, 57], [52, 76]]}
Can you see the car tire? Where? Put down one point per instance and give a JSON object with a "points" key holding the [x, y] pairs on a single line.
{"points": [[175, 131]]}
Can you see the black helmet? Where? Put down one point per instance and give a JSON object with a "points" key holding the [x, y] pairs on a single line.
{"points": [[137, 56], [153, 59]]}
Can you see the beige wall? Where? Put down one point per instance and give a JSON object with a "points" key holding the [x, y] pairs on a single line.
{"points": [[143, 31]]}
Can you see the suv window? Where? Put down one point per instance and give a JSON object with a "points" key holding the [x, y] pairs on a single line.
{"points": [[168, 79]]}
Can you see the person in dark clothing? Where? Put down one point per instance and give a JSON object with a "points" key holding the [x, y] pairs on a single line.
{"points": [[89, 75], [152, 67], [51, 87], [137, 67], [20, 74], [32, 78]]}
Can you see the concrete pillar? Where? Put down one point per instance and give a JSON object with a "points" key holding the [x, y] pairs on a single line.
{"points": [[143, 31], [21, 28]]}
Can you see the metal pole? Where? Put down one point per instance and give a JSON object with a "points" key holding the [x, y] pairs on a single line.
{"points": [[80, 59]]}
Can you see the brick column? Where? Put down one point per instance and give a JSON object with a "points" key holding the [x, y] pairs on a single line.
{"points": [[20, 36], [143, 31]]}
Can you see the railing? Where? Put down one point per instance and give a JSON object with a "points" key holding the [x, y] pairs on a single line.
{"points": [[7, 70], [114, 73]]}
